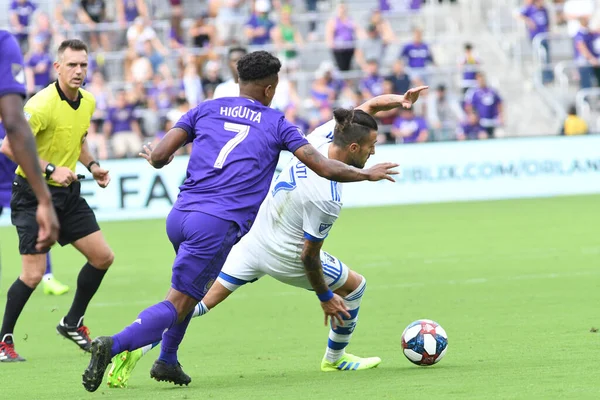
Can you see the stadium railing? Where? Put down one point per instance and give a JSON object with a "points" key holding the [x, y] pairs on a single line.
{"points": [[586, 102]]}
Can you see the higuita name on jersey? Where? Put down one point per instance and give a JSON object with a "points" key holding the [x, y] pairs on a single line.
{"points": [[241, 112]]}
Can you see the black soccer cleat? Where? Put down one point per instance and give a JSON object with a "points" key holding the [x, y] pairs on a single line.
{"points": [[93, 374], [79, 334], [7, 350], [163, 372]]}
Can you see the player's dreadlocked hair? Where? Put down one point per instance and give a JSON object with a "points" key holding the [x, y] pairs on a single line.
{"points": [[258, 65], [352, 126]]}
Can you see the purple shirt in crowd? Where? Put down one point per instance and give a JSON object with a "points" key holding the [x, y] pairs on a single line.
{"points": [[254, 22], [385, 5], [236, 146], [131, 10], [590, 39], [470, 66], [414, 125], [540, 18], [24, 12], [121, 119], [373, 84], [471, 131], [416, 55], [11, 66], [415, 4], [343, 34], [485, 102], [40, 79]]}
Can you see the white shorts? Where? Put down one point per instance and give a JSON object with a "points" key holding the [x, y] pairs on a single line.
{"points": [[247, 263]]}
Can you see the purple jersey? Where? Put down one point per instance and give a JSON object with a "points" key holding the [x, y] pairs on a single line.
{"points": [[415, 4], [11, 66], [414, 125], [539, 16], [590, 40], [470, 66], [131, 10], [24, 11], [486, 103], [373, 85], [417, 55], [236, 145], [7, 173], [343, 34], [254, 22], [384, 5], [121, 119], [40, 79]]}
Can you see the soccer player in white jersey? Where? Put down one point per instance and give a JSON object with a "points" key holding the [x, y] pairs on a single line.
{"points": [[286, 238]]}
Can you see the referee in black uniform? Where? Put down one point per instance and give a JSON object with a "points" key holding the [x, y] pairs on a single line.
{"points": [[59, 116]]}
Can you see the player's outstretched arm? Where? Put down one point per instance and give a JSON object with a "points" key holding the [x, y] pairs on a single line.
{"points": [[165, 150], [24, 153], [338, 171], [333, 305], [390, 101]]}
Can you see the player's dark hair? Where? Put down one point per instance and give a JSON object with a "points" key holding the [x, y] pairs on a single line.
{"points": [[352, 126], [258, 65], [73, 44], [572, 110], [236, 49]]}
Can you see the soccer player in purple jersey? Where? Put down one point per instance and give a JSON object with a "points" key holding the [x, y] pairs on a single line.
{"points": [[237, 141], [12, 93]]}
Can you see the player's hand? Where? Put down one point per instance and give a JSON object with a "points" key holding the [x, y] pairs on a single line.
{"points": [[100, 176], [64, 176], [48, 225], [335, 308], [382, 171], [412, 95], [147, 154]]}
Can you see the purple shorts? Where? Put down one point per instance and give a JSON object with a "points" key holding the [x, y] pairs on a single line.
{"points": [[202, 243]]}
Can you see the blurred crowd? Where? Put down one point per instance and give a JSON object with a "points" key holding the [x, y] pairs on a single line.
{"points": [[164, 75], [580, 21]]}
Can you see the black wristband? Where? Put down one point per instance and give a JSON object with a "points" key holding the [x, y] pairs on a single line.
{"points": [[89, 166], [49, 170]]}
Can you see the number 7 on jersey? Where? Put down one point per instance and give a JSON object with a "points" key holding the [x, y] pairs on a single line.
{"points": [[242, 133]]}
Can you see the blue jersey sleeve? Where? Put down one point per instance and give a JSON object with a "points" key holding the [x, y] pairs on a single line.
{"points": [[290, 136], [11, 66], [187, 122]]}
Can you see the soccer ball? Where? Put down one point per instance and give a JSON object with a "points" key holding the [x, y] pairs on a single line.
{"points": [[424, 342]]}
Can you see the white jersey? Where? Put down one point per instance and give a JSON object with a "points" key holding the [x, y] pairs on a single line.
{"points": [[300, 205], [322, 133]]}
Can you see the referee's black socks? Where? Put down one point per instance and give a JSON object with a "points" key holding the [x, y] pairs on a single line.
{"points": [[16, 298], [88, 282]]}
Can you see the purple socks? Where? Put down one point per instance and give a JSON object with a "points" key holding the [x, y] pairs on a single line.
{"points": [[172, 339], [147, 328]]}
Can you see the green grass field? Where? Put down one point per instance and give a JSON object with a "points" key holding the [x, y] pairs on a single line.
{"points": [[514, 283]]}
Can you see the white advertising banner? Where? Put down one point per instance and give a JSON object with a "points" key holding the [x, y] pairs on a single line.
{"points": [[433, 172]]}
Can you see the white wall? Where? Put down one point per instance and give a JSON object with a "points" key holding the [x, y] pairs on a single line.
{"points": [[436, 172]]}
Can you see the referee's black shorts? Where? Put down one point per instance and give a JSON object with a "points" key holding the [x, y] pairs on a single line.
{"points": [[76, 218]]}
